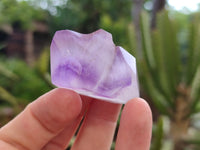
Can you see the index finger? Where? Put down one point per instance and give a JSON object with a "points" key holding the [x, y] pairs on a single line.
{"points": [[42, 120]]}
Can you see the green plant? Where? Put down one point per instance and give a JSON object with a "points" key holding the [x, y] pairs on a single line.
{"points": [[12, 11], [20, 80], [170, 76], [157, 135]]}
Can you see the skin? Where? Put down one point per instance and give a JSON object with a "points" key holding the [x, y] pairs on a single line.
{"points": [[50, 122]]}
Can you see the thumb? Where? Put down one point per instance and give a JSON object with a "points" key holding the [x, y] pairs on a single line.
{"points": [[41, 120]]}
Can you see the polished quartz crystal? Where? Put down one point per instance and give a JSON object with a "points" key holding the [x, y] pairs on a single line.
{"points": [[92, 65]]}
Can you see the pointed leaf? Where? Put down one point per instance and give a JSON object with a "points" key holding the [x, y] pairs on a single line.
{"points": [[6, 96], [158, 99], [158, 136], [7, 73], [194, 50], [195, 88], [132, 39], [170, 53], [162, 78], [146, 41]]}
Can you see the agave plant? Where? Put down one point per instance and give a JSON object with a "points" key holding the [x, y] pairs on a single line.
{"points": [[171, 79]]}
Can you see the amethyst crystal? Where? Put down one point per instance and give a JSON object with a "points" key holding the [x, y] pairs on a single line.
{"points": [[92, 65]]}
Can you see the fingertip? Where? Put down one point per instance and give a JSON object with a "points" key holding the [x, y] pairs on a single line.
{"points": [[137, 114], [65, 98], [135, 126], [141, 104]]}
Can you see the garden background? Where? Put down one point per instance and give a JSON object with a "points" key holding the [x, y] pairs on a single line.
{"points": [[165, 42]]}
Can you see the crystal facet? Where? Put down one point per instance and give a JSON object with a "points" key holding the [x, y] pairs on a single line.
{"points": [[92, 65]]}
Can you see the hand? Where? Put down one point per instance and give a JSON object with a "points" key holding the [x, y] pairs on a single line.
{"points": [[50, 122]]}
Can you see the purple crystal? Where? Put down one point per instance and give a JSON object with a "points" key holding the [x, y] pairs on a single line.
{"points": [[92, 65]]}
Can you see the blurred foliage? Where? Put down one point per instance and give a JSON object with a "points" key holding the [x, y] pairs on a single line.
{"points": [[12, 11], [2, 46], [158, 135], [169, 69], [84, 16], [164, 67], [22, 81]]}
